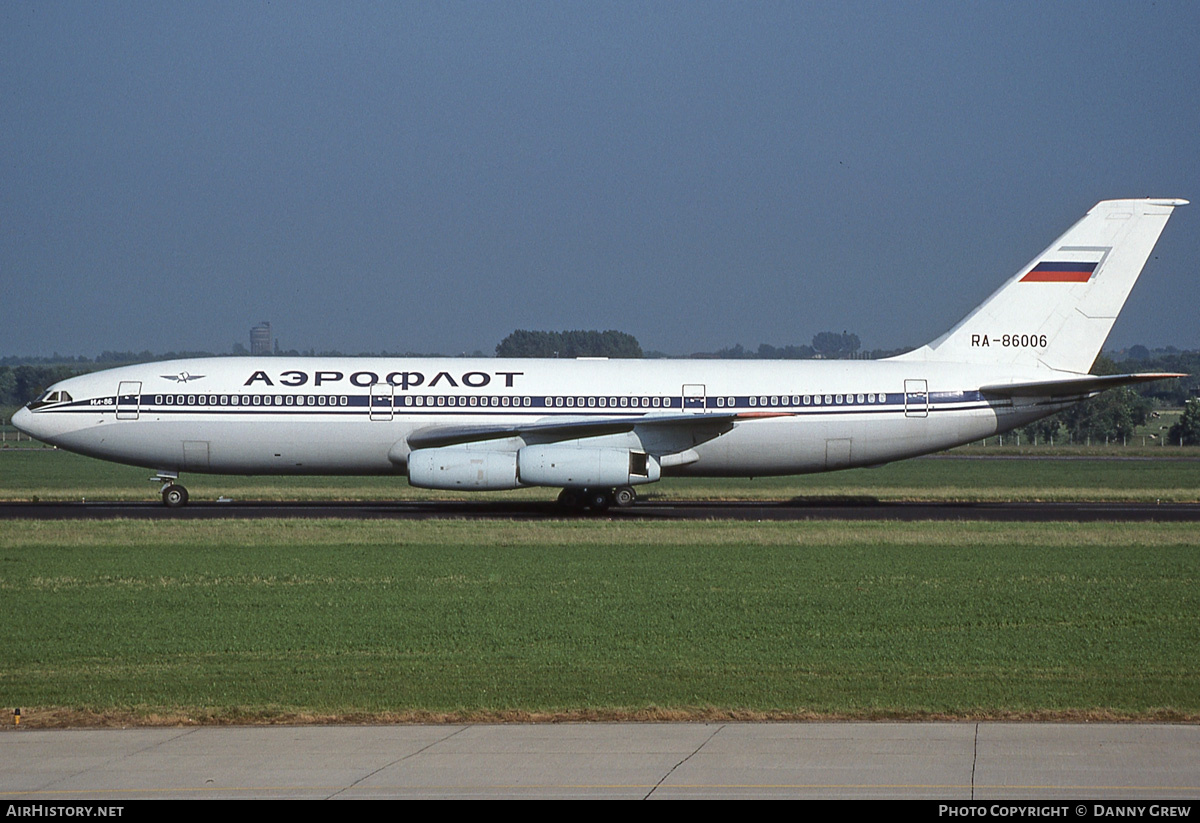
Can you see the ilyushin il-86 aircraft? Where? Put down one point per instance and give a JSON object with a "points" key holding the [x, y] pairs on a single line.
{"points": [[597, 428]]}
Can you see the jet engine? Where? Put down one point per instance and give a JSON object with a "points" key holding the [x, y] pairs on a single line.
{"points": [[459, 467]]}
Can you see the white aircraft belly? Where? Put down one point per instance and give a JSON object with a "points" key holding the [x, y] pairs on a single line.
{"points": [[243, 446], [799, 445]]}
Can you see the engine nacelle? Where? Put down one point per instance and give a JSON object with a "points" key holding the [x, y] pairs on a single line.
{"points": [[568, 466], [460, 468]]}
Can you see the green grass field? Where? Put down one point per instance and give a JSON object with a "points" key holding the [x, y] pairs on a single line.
{"points": [[48, 474], [262, 621], [273, 621]]}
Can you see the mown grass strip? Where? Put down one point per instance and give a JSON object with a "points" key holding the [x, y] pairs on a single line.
{"points": [[59, 476], [268, 619]]}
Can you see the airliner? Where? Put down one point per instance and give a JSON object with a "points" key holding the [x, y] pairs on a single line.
{"points": [[598, 428]]}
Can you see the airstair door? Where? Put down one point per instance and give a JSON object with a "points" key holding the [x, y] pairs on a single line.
{"points": [[381, 401], [129, 399], [916, 398]]}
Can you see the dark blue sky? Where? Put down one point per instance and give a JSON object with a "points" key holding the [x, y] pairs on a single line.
{"points": [[431, 176]]}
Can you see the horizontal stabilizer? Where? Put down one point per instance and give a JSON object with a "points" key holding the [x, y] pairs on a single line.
{"points": [[1073, 386]]}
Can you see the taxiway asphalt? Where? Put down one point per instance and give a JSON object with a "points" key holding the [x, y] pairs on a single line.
{"points": [[807, 509], [966, 761]]}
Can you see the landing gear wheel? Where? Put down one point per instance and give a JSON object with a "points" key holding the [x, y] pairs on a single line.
{"points": [[598, 500], [623, 496], [174, 496], [570, 499]]}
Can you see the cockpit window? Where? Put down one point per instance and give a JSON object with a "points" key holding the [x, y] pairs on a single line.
{"points": [[51, 396]]}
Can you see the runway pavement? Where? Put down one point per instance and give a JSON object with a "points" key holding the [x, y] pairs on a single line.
{"points": [[1002, 762], [804, 509]]}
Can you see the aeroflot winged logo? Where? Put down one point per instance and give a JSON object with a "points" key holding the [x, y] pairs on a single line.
{"points": [[182, 377]]}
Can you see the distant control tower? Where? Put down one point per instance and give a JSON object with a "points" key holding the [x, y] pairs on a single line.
{"points": [[260, 338]]}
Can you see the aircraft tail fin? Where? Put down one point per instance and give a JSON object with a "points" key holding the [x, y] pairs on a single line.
{"points": [[1057, 311]]}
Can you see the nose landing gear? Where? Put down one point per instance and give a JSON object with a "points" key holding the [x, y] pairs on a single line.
{"points": [[173, 494]]}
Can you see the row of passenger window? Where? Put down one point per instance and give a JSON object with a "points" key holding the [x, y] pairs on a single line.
{"points": [[454, 400], [503, 401], [813, 399], [637, 402], [409, 400], [250, 400], [546, 402]]}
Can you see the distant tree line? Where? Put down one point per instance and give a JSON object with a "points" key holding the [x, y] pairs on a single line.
{"points": [[825, 346], [20, 384], [106, 359], [525, 343], [1113, 416], [1169, 359]]}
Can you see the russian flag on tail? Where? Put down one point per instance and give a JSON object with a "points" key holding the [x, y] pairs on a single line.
{"points": [[1067, 265], [1060, 273]]}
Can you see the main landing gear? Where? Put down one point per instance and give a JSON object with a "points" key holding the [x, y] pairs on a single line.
{"points": [[596, 500], [173, 494]]}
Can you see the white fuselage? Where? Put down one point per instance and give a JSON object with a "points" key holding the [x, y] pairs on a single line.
{"points": [[279, 415]]}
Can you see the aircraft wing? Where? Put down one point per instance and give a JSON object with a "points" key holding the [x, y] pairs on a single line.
{"points": [[1073, 386], [696, 427]]}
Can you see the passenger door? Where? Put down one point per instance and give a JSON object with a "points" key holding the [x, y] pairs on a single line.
{"points": [[129, 399]]}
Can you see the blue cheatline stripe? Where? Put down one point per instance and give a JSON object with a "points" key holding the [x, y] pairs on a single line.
{"points": [[355, 405]]}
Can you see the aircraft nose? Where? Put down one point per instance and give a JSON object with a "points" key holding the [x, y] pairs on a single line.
{"points": [[23, 421]]}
